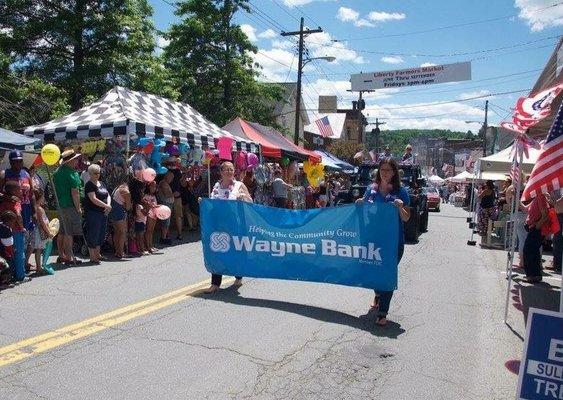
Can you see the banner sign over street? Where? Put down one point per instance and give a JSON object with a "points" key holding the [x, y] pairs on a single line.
{"points": [[353, 245], [412, 77], [541, 368]]}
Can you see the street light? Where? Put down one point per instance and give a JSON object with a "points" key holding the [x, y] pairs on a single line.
{"points": [[302, 63]]}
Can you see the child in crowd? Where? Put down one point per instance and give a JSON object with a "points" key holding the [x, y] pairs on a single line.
{"points": [[41, 231], [140, 227], [12, 202], [7, 219], [150, 199]]}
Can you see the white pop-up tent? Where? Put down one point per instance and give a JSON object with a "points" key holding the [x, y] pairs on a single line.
{"points": [[501, 162], [462, 177]]}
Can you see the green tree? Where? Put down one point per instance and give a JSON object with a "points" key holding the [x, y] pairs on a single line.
{"points": [[345, 150], [209, 56], [26, 101], [83, 47]]}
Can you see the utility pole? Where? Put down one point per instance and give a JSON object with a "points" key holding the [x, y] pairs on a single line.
{"points": [[376, 132], [301, 33], [485, 127]]}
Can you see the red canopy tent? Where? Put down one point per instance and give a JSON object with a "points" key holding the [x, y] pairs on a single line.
{"points": [[272, 142]]}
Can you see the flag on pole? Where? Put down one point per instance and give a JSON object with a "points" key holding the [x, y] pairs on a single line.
{"points": [[547, 174], [324, 126], [515, 173]]}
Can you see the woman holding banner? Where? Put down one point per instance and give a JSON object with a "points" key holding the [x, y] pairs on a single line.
{"points": [[228, 188], [387, 189]]}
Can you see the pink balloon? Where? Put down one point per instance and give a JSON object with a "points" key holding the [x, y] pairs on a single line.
{"points": [[149, 175], [252, 160], [162, 212]]}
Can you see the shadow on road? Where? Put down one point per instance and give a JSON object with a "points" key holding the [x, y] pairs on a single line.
{"points": [[364, 322]]}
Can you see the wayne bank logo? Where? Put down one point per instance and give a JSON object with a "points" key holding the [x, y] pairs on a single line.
{"points": [[220, 242]]}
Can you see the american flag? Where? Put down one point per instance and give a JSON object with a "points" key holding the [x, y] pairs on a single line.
{"points": [[324, 126], [547, 174]]}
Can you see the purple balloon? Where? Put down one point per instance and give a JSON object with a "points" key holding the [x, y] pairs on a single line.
{"points": [[252, 160]]}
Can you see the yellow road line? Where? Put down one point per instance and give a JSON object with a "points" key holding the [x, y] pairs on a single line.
{"points": [[58, 337]]}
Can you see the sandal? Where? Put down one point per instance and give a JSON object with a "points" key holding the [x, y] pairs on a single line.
{"points": [[381, 320], [211, 289]]}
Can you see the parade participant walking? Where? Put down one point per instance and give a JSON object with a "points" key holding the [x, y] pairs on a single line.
{"points": [[68, 187], [387, 189], [228, 188], [97, 206]]}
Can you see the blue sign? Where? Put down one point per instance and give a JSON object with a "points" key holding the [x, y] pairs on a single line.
{"points": [[541, 369], [354, 245]]}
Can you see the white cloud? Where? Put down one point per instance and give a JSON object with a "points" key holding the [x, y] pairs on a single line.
{"points": [[538, 16], [381, 16], [274, 70], [282, 44], [267, 34], [249, 31], [427, 64], [321, 45], [294, 3], [392, 60], [347, 14], [363, 22], [161, 42], [426, 116], [477, 93]]}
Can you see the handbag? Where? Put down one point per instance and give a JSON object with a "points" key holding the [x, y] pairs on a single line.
{"points": [[552, 225]]}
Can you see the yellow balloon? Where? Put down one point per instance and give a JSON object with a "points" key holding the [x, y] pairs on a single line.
{"points": [[50, 154]]}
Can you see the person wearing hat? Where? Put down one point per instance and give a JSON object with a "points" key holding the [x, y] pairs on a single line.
{"points": [[16, 173], [68, 187]]}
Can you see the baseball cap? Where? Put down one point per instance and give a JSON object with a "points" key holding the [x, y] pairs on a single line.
{"points": [[15, 155]]}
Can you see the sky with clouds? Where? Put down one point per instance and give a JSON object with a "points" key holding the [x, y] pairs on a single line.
{"points": [[507, 41]]}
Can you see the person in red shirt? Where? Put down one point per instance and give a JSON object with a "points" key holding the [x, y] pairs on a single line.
{"points": [[7, 218], [12, 202], [537, 216]]}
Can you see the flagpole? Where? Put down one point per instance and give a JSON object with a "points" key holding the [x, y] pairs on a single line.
{"points": [[473, 202], [516, 166]]}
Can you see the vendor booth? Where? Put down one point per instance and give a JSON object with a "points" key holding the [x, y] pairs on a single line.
{"points": [[273, 143], [124, 112], [334, 162], [497, 166], [15, 141]]}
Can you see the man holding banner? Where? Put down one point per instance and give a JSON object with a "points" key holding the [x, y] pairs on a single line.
{"points": [[387, 189]]}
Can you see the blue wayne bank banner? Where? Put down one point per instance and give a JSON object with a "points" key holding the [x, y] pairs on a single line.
{"points": [[354, 245]]}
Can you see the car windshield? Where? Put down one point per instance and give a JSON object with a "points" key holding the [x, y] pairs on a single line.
{"points": [[429, 190]]}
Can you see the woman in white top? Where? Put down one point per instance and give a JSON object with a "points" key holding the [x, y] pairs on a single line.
{"points": [[228, 188]]}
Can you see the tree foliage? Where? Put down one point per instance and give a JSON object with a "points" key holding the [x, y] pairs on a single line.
{"points": [[83, 47], [210, 59], [345, 149], [398, 139]]}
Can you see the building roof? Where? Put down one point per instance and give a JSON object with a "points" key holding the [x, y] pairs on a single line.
{"points": [[289, 89]]}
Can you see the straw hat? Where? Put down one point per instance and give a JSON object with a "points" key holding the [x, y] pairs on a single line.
{"points": [[69, 155]]}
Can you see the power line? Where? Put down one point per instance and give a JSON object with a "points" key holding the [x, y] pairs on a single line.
{"points": [[445, 27], [447, 54]]}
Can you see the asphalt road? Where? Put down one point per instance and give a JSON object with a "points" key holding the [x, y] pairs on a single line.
{"points": [[268, 339]]}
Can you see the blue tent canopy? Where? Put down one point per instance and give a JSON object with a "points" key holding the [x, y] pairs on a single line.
{"points": [[331, 161], [14, 141]]}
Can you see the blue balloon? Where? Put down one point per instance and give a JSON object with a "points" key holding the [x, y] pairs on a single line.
{"points": [[161, 170]]}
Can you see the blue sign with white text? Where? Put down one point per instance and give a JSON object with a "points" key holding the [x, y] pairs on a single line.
{"points": [[541, 368], [353, 245]]}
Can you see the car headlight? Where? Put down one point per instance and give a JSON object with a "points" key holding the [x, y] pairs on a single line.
{"points": [[356, 193]]}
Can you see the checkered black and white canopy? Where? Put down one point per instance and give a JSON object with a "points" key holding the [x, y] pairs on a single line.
{"points": [[122, 111]]}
